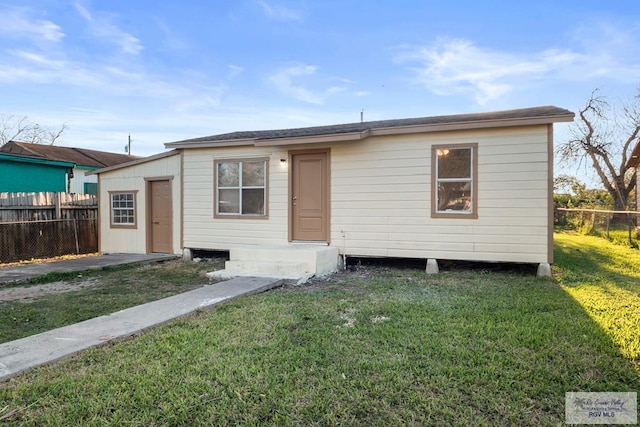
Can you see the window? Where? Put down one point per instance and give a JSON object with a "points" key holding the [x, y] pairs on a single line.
{"points": [[454, 181], [241, 188], [123, 209]]}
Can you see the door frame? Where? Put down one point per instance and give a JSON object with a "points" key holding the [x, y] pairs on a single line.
{"points": [[327, 194], [149, 211]]}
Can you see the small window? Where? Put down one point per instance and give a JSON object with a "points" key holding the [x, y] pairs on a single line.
{"points": [[123, 209], [454, 181], [241, 188]]}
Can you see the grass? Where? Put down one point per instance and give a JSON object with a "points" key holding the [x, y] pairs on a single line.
{"points": [[99, 292], [377, 346]]}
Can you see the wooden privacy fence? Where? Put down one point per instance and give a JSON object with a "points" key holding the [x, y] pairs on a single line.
{"points": [[16, 207], [43, 239], [42, 225]]}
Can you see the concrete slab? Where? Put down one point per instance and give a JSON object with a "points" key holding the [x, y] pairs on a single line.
{"points": [[26, 353], [29, 271]]}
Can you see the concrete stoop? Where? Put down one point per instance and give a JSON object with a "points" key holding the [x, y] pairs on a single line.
{"points": [[291, 263]]}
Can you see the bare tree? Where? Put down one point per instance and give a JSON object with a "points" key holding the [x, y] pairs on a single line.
{"points": [[21, 129], [604, 136]]}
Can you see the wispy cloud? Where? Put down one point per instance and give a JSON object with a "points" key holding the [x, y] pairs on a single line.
{"points": [[234, 71], [459, 66], [278, 12], [102, 27], [285, 80], [21, 22]]}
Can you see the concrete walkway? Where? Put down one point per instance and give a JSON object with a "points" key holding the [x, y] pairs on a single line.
{"points": [[27, 353], [29, 271]]}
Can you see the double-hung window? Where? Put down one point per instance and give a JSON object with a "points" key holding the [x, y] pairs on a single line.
{"points": [[123, 209], [454, 172], [241, 188]]}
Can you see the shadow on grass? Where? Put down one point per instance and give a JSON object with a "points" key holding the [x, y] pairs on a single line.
{"points": [[605, 280]]}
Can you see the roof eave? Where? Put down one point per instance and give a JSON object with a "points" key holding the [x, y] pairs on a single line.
{"points": [[313, 139], [391, 130], [634, 158], [133, 162], [37, 160], [474, 124], [210, 143]]}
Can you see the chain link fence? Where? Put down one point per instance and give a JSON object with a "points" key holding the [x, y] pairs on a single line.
{"points": [[618, 226], [44, 239]]}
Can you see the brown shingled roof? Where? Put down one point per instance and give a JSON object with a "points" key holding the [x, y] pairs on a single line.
{"points": [[79, 156]]}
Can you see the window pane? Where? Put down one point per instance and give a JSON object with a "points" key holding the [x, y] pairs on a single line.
{"points": [[454, 163], [253, 202], [454, 196], [229, 201], [228, 174], [253, 174], [123, 208]]}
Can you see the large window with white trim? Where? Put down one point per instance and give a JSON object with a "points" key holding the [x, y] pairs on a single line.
{"points": [[241, 188], [454, 181], [123, 208]]}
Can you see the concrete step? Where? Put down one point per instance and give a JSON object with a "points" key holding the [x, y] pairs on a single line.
{"points": [[296, 263], [276, 268], [319, 260]]}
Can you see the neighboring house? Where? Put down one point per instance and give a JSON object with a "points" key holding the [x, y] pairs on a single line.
{"points": [[634, 162], [82, 160], [29, 174], [474, 187]]}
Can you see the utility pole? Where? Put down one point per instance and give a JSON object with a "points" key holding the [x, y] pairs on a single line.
{"points": [[127, 149]]}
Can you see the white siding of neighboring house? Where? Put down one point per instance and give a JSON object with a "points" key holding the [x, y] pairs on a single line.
{"points": [[380, 198], [79, 179], [132, 178]]}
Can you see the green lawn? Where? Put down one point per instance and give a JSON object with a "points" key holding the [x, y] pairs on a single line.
{"points": [[376, 346], [98, 292]]}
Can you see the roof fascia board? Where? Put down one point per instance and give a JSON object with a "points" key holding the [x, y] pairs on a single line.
{"points": [[25, 159], [442, 127], [134, 162], [634, 158], [214, 143], [317, 139]]}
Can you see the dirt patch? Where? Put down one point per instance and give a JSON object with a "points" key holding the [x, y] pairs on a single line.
{"points": [[31, 292]]}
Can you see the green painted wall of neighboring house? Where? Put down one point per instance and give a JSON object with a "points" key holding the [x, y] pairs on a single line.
{"points": [[20, 174]]}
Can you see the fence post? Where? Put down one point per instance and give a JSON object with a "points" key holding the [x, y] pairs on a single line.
{"points": [[58, 210], [608, 223], [630, 226], [75, 233]]}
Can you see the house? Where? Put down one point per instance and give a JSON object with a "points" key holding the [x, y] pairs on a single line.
{"points": [[634, 162], [474, 187], [75, 161], [29, 174]]}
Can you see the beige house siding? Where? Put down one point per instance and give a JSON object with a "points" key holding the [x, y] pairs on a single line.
{"points": [[202, 230], [381, 198], [135, 178]]}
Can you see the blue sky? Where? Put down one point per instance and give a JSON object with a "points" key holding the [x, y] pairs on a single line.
{"points": [[166, 70]]}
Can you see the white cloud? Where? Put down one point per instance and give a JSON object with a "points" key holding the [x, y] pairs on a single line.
{"points": [[102, 28], [234, 71], [19, 22], [278, 12], [457, 66], [284, 80]]}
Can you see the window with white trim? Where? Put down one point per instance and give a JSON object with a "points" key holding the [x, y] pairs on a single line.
{"points": [[241, 188], [454, 177], [123, 209]]}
